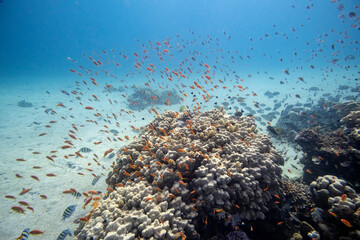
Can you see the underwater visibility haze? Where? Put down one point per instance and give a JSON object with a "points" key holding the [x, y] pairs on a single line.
{"points": [[179, 119]]}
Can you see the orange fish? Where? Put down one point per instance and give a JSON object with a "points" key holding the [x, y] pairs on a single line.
{"points": [[108, 151], [25, 190], [333, 214], [18, 209], [307, 170], [89, 108], [346, 222], [24, 203], [10, 197], [181, 150], [277, 196], [229, 172], [343, 197], [35, 177], [36, 232], [153, 109], [87, 202], [43, 196]]}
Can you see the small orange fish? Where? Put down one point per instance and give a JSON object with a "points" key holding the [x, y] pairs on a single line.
{"points": [[183, 237], [18, 209], [108, 151], [89, 108], [153, 109], [126, 173], [65, 147], [333, 214], [346, 222], [43, 196], [181, 150], [93, 192], [36, 232], [180, 176], [24, 203], [10, 197], [343, 197], [308, 171], [25, 190], [182, 183], [35, 177], [229, 172], [87, 202], [279, 223]]}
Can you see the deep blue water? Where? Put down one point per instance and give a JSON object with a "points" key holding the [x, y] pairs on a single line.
{"points": [[38, 36]]}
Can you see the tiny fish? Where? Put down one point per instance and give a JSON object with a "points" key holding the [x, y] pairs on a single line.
{"points": [[65, 92], [76, 194], [345, 164], [347, 223], [64, 234], [294, 166], [36, 232], [24, 235], [95, 180], [68, 211], [85, 149], [18, 209]]}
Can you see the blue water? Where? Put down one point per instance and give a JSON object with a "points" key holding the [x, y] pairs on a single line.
{"points": [[38, 36], [48, 49]]}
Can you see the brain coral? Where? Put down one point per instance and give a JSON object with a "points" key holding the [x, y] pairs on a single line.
{"points": [[184, 169]]}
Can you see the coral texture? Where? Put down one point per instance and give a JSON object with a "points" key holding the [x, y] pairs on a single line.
{"points": [[339, 207], [183, 169]]}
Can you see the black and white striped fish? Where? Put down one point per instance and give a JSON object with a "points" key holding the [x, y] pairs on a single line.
{"points": [[76, 194], [64, 234], [68, 211], [95, 180], [85, 150], [25, 234]]}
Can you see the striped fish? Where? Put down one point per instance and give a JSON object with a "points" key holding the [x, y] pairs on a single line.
{"points": [[95, 180], [24, 235], [76, 194], [68, 211], [85, 150], [64, 234]]}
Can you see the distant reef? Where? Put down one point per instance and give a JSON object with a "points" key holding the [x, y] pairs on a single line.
{"points": [[24, 103]]}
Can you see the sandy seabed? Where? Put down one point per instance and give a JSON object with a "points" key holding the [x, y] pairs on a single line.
{"points": [[19, 133]]}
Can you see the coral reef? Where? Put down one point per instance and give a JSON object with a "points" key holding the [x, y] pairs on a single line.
{"points": [[299, 199], [145, 97], [326, 113], [186, 173], [24, 103], [335, 153], [338, 216]]}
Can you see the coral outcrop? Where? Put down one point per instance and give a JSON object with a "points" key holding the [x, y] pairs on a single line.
{"points": [[183, 173], [336, 153], [338, 208], [143, 97]]}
